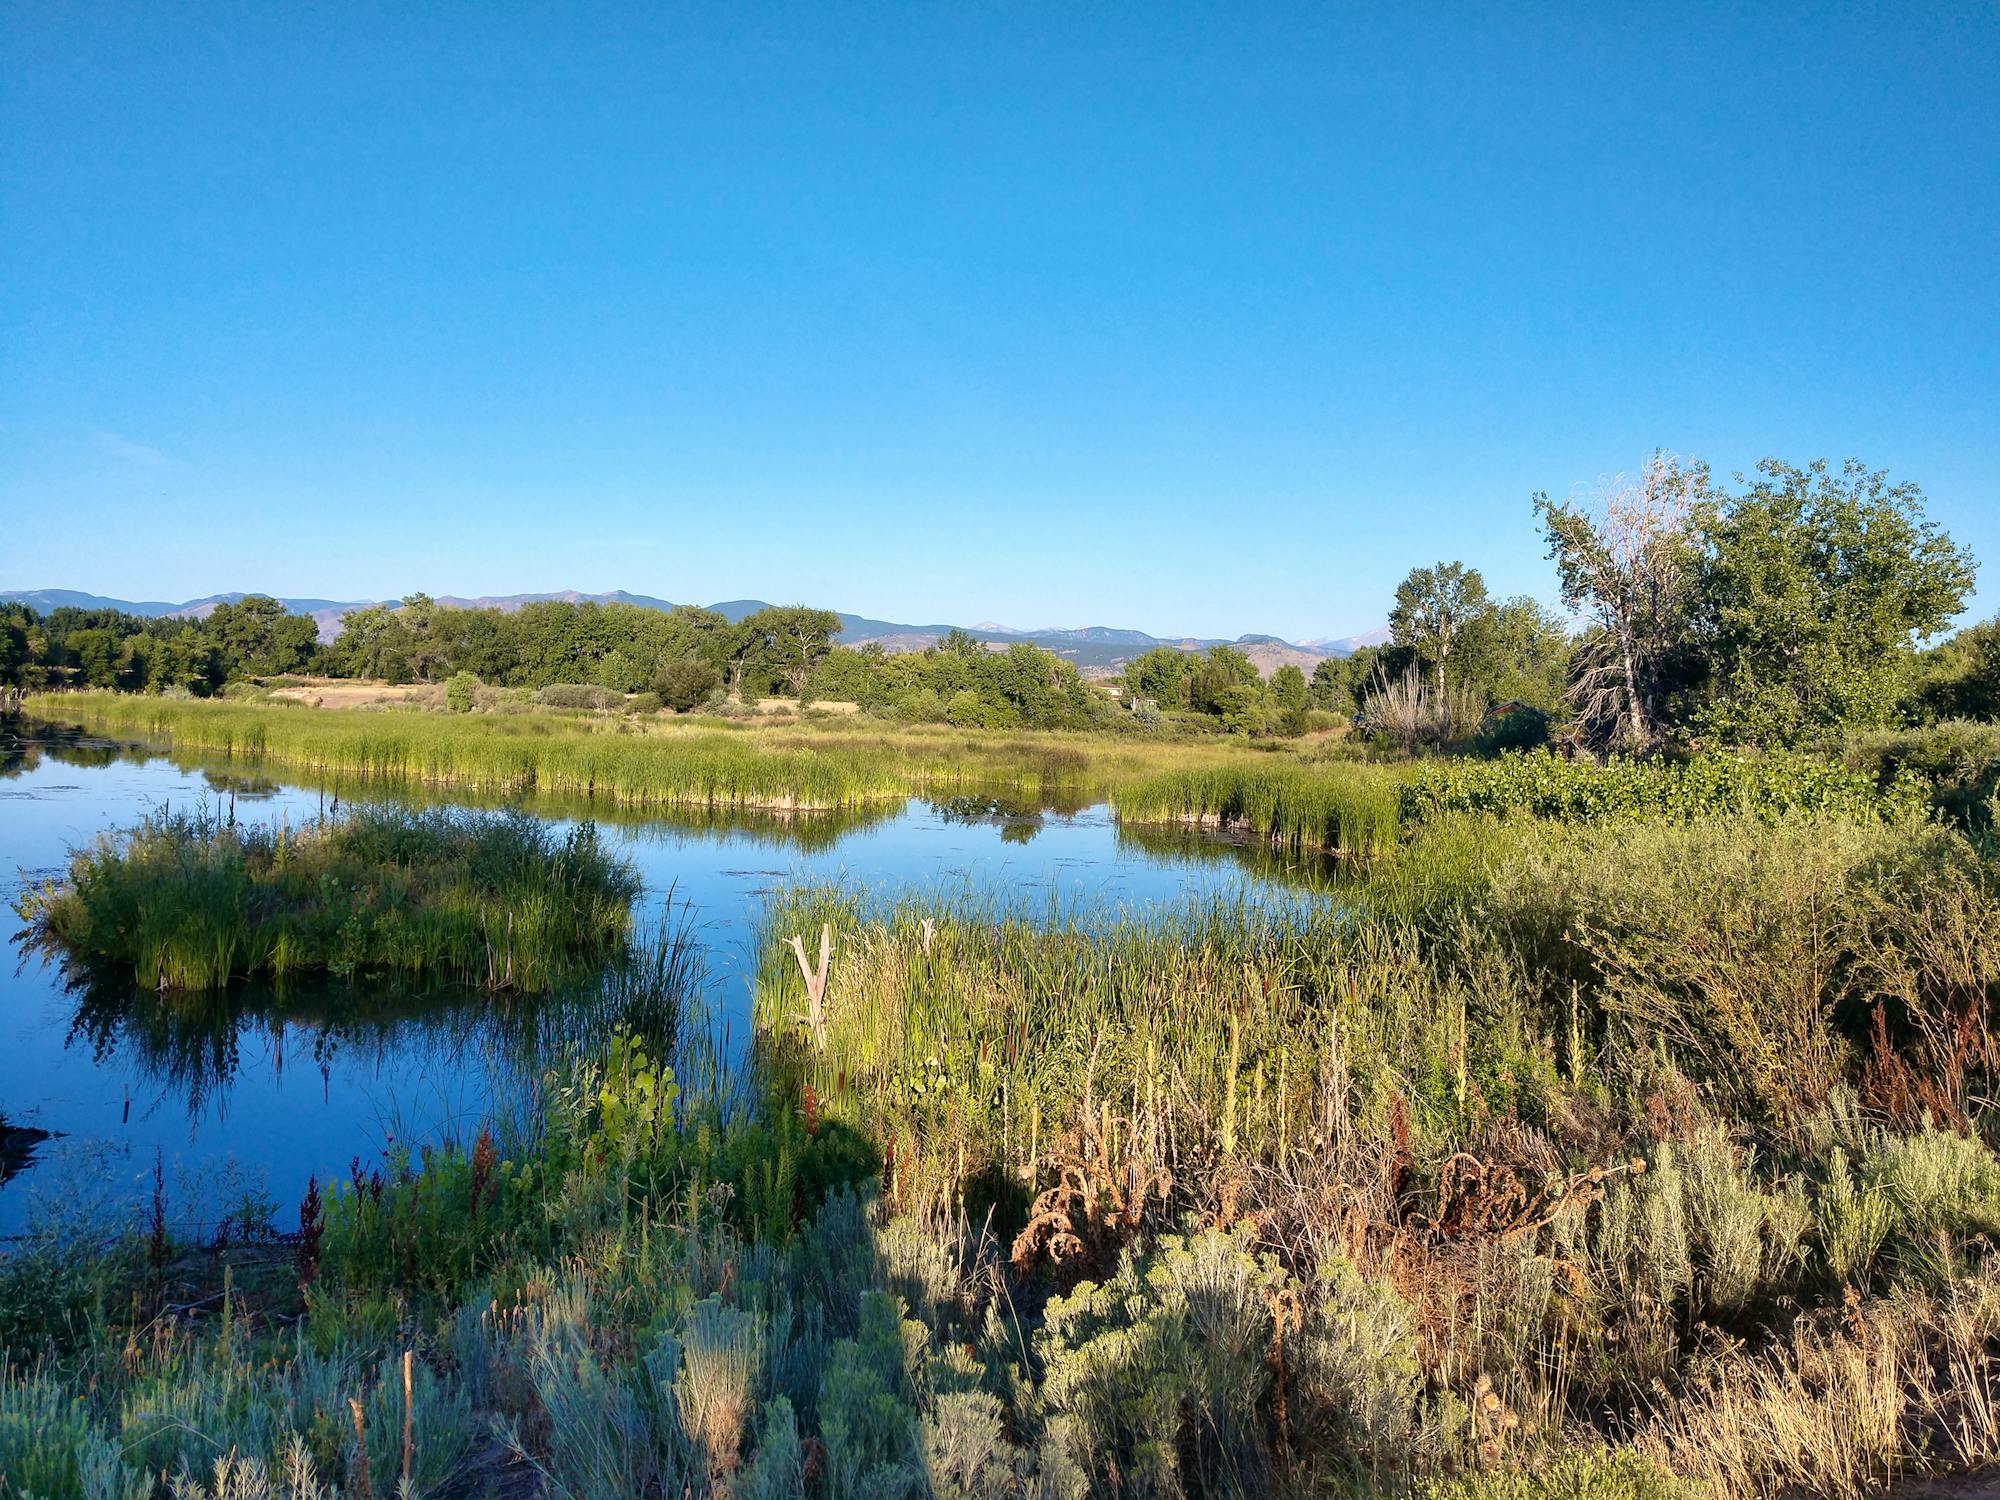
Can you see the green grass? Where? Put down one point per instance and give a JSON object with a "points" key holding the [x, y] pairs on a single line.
{"points": [[189, 901], [701, 763], [1353, 809]]}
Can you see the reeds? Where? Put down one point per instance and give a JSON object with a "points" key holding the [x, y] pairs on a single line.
{"points": [[194, 901], [1351, 809], [703, 763]]}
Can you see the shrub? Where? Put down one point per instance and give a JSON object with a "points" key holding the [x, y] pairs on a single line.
{"points": [[685, 683], [965, 710], [1957, 759], [644, 705], [1515, 727], [1546, 785], [1721, 936], [461, 691]]}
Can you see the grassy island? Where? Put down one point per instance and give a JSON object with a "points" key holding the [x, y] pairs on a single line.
{"points": [[191, 901]]}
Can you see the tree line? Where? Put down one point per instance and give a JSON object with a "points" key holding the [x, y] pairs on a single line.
{"points": [[107, 648], [1790, 607]]}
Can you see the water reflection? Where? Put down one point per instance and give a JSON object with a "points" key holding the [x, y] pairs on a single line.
{"points": [[25, 743], [1017, 821], [294, 1081], [186, 1048], [1295, 869]]}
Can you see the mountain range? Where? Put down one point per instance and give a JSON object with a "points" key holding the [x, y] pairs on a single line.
{"points": [[1094, 648]]}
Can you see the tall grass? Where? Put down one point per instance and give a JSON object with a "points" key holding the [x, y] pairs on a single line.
{"points": [[1360, 809], [191, 901], [1350, 808], [703, 763]]}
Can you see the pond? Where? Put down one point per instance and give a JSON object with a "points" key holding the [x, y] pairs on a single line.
{"points": [[255, 1092]]}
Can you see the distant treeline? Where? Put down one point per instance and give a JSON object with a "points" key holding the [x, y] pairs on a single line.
{"points": [[686, 657], [106, 648], [1790, 611]]}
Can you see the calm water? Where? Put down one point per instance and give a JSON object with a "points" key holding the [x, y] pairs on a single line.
{"points": [[249, 1092]]}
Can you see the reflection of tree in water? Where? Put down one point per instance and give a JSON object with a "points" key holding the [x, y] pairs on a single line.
{"points": [[25, 743], [1018, 821], [1298, 869], [235, 784], [190, 1045], [807, 832]]}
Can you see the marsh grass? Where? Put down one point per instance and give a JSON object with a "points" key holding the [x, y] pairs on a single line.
{"points": [[1538, 1157], [191, 900], [701, 762], [1353, 809]]}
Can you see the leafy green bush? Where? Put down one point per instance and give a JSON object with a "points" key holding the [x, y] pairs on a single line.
{"points": [[1546, 785], [1517, 728], [1958, 759], [685, 683]]}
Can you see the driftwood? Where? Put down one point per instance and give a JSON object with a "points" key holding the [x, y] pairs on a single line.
{"points": [[814, 1014]]}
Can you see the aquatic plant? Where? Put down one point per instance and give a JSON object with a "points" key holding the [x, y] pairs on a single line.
{"points": [[705, 763], [191, 900]]}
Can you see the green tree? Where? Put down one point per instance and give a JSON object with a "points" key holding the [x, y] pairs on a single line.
{"points": [[1222, 670], [1162, 674], [1288, 687], [1434, 607], [796, 639], [1815, 590], [1960, 679], [374, 642], [258, 637], [1519, 651], [685, 682], [94, 656], [688, 631]]}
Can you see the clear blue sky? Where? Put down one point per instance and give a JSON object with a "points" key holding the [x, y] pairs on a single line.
{"points": [[1211, 318]]}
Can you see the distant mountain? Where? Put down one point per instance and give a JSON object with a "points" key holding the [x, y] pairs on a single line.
{"points": [[45, 600], [1096, 649], [1347, 645]]}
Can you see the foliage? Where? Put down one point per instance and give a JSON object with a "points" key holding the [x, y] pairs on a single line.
{"points": [[1814, 590], [1546, 785], [1434, 608], [1959, 678]]}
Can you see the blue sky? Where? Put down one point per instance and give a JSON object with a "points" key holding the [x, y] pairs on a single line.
{"points": [[1190, 318]]}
